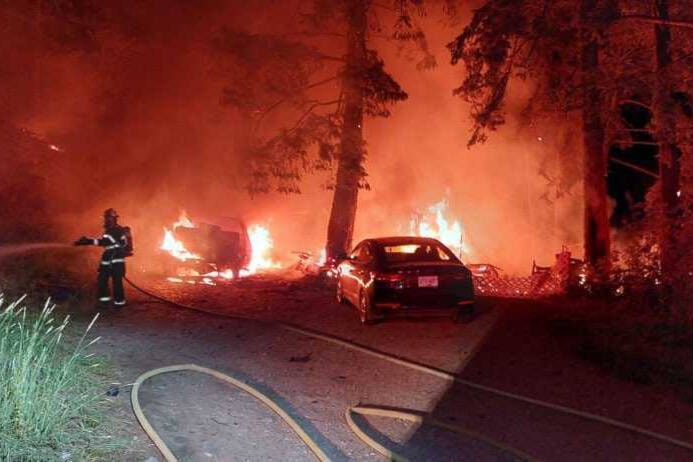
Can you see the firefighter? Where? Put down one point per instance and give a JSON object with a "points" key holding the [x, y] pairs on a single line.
{"points": [[117, 244]]}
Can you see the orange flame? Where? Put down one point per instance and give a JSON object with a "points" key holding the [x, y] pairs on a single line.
{"points": [[262, 246], [261, 243], [434, 224], [173, 245]]}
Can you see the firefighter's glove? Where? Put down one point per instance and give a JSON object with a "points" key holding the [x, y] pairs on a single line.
{"points": [[84, 241]]}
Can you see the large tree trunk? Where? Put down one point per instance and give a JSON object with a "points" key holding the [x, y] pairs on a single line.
{"points": [[596, 227], [665, 117], [340, 230]]}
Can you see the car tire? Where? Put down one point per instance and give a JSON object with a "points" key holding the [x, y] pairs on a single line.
{"points": [[464, 314], [365, 308], [340, 293]]}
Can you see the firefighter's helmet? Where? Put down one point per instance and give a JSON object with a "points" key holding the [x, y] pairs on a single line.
{"points": [[110, 213]]}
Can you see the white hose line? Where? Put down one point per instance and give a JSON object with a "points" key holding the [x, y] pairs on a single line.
{"points": [[454, 378], [420, 419], [445, 375], [254, 392]]}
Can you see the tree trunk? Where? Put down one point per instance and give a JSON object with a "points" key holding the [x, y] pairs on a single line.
{"points": [[340, 230], [665, 117], [596, 215]]}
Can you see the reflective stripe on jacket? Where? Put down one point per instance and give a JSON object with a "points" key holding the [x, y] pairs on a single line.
{"points": [[114, 241]]}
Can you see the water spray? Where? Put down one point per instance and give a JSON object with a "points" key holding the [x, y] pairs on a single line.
{"points": [[15, 249]]}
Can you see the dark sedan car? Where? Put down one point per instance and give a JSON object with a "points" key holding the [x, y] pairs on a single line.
{"points": [[404, 275]]}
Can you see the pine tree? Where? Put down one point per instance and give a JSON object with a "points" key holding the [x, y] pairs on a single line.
{"points": [[325, 78]]}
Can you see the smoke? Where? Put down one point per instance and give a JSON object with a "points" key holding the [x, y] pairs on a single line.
{"points": [[510, 212], [140, 128]]}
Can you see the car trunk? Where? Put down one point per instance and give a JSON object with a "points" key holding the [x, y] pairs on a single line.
{"points": [[425, 284]]}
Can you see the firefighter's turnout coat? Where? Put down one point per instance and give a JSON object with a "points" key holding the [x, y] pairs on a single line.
{"points": [[112, 265]]}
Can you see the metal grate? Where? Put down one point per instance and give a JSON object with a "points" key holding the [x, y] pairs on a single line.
{"points": [[544, 281]]}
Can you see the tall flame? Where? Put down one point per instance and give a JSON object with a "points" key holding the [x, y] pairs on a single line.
{"points": [[183, 221], [262, 244], [434, 224], [173, 245]]}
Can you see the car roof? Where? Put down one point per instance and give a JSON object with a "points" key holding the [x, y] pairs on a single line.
{"points": [[397, 240]]}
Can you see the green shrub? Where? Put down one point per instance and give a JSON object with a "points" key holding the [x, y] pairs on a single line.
{"points": [[51, 402]]}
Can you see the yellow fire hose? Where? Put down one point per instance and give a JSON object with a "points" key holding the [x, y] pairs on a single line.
{"points": [[166, 452], [365, 410]]}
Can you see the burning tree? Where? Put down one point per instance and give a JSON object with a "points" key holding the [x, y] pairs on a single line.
{"points": [[324, 78]]}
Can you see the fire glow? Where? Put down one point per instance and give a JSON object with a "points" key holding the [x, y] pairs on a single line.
{"points": [[261, 243], [173, 245], [434, 224]]}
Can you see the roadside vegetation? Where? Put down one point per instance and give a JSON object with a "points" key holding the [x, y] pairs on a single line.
{"points": [[52, 401]]}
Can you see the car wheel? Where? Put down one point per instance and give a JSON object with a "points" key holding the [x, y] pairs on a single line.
{"points": [[464, 314], [340, 293], [365, 308]]}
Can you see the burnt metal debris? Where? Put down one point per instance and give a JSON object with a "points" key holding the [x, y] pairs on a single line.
{"points": [[544, 281]]}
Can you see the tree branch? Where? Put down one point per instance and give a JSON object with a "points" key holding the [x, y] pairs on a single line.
{"points": [[634, 130], [273, 106], [310, 109], [315, 34], [384, 7], [330, 58], [320, 82], [653, 20], [603, 83], [634, 167], [635, 103]]}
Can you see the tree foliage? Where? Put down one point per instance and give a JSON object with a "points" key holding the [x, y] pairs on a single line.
{"points": [[290, 83], [539, 41]]}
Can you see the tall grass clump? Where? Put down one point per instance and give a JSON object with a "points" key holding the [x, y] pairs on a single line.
{"points": [[51, 402]]}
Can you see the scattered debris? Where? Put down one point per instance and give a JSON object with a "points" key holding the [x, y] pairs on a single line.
{"points": [[300, 359], [113, 390]]}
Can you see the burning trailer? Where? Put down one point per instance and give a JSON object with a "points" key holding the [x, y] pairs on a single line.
{"points": [[201, 248]]}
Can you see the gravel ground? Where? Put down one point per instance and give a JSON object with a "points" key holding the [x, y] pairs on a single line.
{"points": [[203, 419]]}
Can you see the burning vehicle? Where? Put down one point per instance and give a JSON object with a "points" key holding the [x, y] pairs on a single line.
{"points": [[404, 275], [223, 248]]}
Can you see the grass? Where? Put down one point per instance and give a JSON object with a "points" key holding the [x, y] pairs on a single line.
{"points": [[52, 403]]}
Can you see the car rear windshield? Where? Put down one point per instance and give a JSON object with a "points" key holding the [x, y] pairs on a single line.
{"points": [[410, 252]]}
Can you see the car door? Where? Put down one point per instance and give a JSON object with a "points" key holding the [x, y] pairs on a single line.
{"points": [[361, 270], [348, 275]]}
